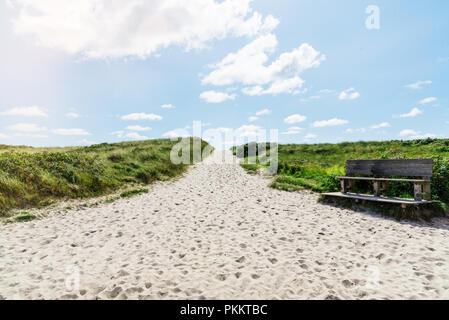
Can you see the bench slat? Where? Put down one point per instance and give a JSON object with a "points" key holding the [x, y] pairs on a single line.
{"points": [[400, 167]]}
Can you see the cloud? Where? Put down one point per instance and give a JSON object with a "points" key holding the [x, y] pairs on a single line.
{"points": [[33, 111], [26, 127], [72, 115], [247, 130], [216, 97], [177, 133], [263, 112], [167, 106], [135, 136], [359, 130], [114, 29], [118, 134], [380, 125], [3, 136], [329, 123], [71, 132], [295, 118], [138, 128], [292, 131], [248, 66], [349, 94], [413, 113], [253, 118], [85, 142], [310, 136], [407, 132], [326, 91], [30, 135], [141, 116], [418, 85], [428, 100], [412, 134]]}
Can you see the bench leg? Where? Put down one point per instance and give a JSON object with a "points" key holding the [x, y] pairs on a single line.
{"points": [[384, 188], [426, 192], [376, 188], [418, 191], [343, 186], [351, 185]]}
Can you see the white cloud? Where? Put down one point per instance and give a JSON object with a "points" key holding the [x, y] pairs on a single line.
{"points": [[118, 134], [412, 134], [71, 132], [72, 115], [178, 133], [112, 29], [326, 91], [141, 116], [33, 111], [248, 67], [413, 113], [329, 123], [407, 132], [135, 136], [216, 97], [85, 142], [418, 85], [3, 136], [359, 130], [428, 100], [263, 112], [138, 128], [310, 136], [167, 106], [295, 118], [292, 131], [247, 130], [30, 135], [349, 94], [252, 119], [26, 127], [380, 125]]}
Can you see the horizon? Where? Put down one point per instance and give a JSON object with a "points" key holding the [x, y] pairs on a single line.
{"points": [[317, 72]]}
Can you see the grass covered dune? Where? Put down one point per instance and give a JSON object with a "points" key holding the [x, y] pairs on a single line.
{"points": [[316, 166], [32, 177]]}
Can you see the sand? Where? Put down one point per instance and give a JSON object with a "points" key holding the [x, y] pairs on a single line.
{"points": [[219, 233]]}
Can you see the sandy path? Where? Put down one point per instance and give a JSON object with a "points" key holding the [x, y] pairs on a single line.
{"points": [[220, 233]]}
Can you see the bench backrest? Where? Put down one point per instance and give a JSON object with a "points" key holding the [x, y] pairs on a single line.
{"points": [[396, 167]]}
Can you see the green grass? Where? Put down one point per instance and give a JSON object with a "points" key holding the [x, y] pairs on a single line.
{"points": [[35, 177], [134, 192], [316, 166]]}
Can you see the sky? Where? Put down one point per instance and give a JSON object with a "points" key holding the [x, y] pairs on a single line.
{"points": [[93, 71]]}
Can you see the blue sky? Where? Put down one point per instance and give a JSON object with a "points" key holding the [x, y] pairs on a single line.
{"points": [[99, 71]]}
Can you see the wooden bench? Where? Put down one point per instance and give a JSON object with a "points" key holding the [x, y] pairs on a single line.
{"points": [[420, 169]]}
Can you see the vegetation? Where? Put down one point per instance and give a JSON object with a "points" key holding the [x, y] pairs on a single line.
{"points": [[134, 192], [316, 166], [38, 176]]}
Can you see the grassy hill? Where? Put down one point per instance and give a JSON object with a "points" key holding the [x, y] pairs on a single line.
{"points": [[316, 166], [38, 176]]}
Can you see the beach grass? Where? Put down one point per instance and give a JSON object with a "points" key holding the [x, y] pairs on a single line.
{"points": [[35, 177]]}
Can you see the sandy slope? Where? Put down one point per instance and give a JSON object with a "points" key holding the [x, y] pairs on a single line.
{"points": [[220, 233]]}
